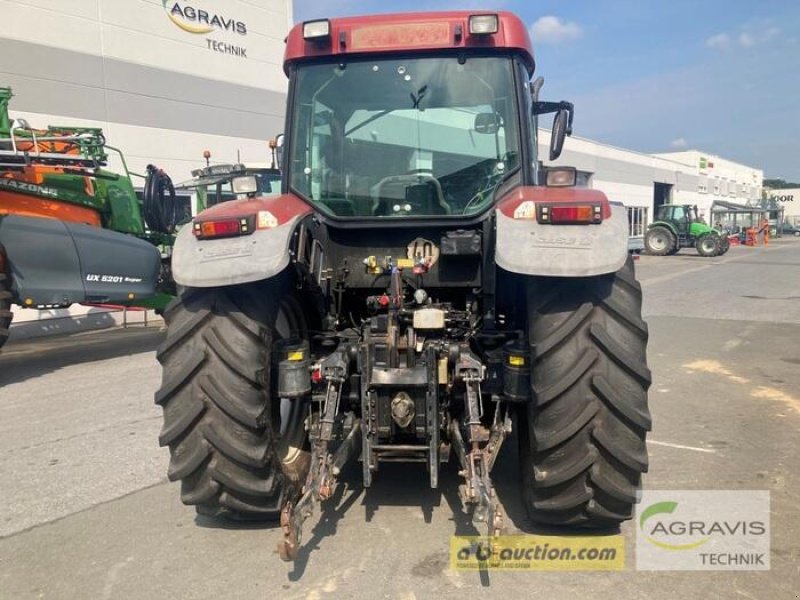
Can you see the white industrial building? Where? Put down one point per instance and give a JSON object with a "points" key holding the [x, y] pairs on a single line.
{"points": [[789, 200], [168, 79], [165, 79], [643, 182], [719, 178]]}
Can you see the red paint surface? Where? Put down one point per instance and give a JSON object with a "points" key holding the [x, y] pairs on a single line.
{"points": [[408, 31], [284, 208]]}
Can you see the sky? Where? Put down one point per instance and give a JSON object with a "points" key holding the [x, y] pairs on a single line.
{"points": [[658, 75]]}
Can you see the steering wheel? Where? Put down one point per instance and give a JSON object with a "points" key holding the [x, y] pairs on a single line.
{"points": [[409, 179]]}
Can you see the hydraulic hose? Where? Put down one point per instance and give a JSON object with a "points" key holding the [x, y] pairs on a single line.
{"points": [[159, 206]]}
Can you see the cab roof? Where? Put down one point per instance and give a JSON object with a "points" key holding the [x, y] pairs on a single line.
{"points": [[404, 32]]}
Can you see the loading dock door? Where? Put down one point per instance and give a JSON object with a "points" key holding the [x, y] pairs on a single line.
{"points": [[662, 194]]}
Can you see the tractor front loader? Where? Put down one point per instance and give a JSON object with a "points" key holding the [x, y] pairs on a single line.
{"points": [[422, 287]]}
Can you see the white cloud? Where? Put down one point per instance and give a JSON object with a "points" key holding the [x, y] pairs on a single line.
{"points": [[754, 34], [679, 144], [770, 33], [552, 30], [746, 39], [719, 40]]}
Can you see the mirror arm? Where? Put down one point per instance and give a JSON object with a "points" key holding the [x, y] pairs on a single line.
{"points": [[536, 86]]}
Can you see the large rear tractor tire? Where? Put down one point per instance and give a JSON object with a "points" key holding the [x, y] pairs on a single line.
{"points": [[5, 307], [708, 245], [237, 449], [583, 437], [660, 241]]}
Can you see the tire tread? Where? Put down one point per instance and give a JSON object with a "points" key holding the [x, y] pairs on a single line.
{"points": [[216, 406], [582, 439]]}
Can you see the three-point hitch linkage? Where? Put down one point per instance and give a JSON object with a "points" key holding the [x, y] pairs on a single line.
{"points": [[400, 405]]}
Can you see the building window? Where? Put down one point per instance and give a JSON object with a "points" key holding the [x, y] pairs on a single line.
{"points": [[637, 220]]}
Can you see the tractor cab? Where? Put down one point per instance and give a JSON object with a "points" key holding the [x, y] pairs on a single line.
{"points": [[444, 118], [215, 184], [681, 215]]}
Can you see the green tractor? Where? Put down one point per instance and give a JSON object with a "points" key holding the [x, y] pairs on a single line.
{"points": [[214, 184], [679, 226]]}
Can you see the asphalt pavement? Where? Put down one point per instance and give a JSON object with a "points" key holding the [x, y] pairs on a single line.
{"points": [[86, 511]]}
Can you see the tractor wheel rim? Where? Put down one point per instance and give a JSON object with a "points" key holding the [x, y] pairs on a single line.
{"points": [[708, 245], [658, 242]]}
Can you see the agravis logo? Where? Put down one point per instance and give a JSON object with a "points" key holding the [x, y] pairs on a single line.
{"points": [[703, 530], [665, 529], [195, 20]]}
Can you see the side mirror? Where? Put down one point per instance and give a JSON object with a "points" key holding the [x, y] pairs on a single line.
{"points": [[276, 145], [560, 130], [488, 123], [562, 123], [244, 184]]}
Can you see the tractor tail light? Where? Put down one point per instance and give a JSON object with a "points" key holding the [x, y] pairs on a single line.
{"points": [[214, 229], [236, 226], [569, 215], [219, 229]]}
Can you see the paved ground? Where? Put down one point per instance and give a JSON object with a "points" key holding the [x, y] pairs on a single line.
{"points": [[85, 511]]}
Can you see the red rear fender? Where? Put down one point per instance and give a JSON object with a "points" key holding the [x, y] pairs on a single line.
{"points": [[284, 208]]}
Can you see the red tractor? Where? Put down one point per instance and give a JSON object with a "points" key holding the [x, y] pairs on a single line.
{"points": [[422, 284]]}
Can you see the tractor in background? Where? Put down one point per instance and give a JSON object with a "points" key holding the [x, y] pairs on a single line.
{"points": [[678, 226], [72, 231], [214, 184]]}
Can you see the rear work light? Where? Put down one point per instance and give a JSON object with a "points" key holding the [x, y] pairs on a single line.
{"points": [[205, 230], [580, 214], [561, 176], [483, 24], [317, 30]]}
